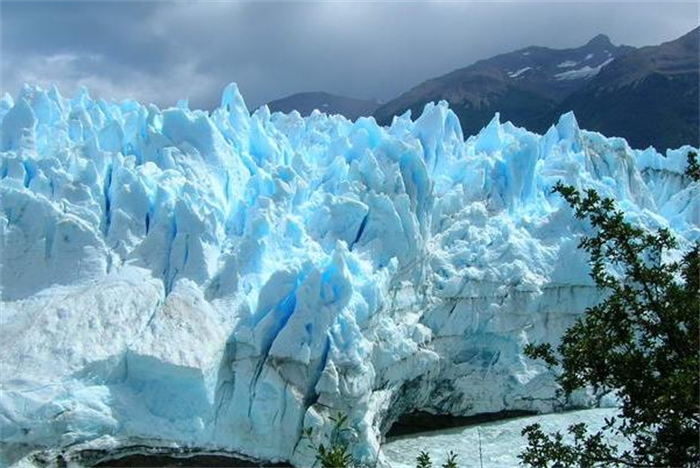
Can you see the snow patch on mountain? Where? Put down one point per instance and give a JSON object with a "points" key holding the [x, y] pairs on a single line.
{"points": [[517, 73], [583, 72], [567, 64], [221, 281]]}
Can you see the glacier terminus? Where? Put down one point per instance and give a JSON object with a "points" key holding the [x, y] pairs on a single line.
{"points": [[220, 281]]}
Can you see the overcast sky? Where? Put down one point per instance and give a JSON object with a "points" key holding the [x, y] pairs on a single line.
{"points": [[161, 52]]}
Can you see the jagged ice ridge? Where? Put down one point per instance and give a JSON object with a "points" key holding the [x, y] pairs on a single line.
{"points": [[221, 281]]}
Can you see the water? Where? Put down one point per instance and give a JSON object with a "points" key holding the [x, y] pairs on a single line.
{"points": [[501, 441]]}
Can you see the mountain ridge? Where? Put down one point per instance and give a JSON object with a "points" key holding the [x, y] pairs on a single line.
{"points": [[521, 85], [306, 102], [649, 97], [534, 85]]}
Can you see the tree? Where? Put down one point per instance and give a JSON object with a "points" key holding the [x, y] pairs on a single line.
{"points": [[642, 342]]}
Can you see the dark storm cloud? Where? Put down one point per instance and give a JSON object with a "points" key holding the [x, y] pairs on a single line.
{"points": [[160, 52]]}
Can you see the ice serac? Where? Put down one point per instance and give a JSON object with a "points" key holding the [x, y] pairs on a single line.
{"points": [[222, 281]]}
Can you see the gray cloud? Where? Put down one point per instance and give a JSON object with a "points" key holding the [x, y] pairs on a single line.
{"points": [[161, 52]]}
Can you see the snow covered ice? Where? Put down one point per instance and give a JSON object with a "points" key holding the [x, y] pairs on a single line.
{"points": [[219, 282]]}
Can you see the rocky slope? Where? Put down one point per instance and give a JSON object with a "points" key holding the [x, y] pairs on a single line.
{"points": [[306, 103], [650, 96], [524, 86]]}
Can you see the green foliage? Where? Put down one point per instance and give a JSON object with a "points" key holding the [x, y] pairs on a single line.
{"points": [[641, 341], [451, 461], [541, 351], [586, 451], [423, 460], [337, 454], [693, 169]]}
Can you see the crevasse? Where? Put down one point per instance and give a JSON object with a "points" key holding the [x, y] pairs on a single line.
{"points": [[221, 281]]}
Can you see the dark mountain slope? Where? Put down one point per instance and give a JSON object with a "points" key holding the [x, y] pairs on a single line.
{"points": [[650, 96], [305, 103], [524, 86]]}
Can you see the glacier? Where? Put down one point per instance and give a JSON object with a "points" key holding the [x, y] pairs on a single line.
{"points": [[220, 281]]}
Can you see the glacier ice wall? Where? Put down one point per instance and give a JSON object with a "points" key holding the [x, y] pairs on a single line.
{"points": [[221, 281]]}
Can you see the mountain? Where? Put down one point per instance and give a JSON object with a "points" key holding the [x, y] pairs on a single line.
{"points": [[649, 96], [524, 86], [183, 281], [305, 103]]}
